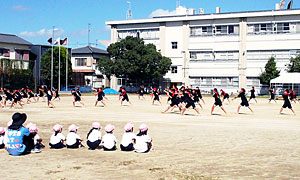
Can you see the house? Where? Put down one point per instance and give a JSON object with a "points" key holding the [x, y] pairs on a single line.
{"points": [[84, 61], [15, 48]]}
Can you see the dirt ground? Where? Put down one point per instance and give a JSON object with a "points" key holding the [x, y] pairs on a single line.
{"points": [[263, 145]]}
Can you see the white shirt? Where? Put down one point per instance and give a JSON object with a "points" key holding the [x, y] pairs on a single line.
{"points": [[141, 143], [36, 138], [57, 139], [1, 140], [109, 141], [94, 135], [127, 138], [71, 138]]}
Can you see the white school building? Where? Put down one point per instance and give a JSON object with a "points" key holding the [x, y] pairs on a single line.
{"points": [[223, 50]]}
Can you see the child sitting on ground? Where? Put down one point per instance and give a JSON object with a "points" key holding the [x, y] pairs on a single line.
{"points": [[57, 138], [109, 140], [128, 138], [2, 133], [94, 136], [143, 142], [73, 139]]}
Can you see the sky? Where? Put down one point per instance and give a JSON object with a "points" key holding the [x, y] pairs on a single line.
{"points": [[33, 20]]}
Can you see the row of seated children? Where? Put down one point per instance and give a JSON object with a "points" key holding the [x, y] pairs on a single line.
{"points": [[140, 143], [19, 140]]}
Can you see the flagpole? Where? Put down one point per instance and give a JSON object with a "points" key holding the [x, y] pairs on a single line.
{"points": [[59, 65], [52, 57], [67, 65]]}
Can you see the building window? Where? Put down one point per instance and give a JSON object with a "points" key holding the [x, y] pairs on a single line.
{"points": [[22, 55], [80, 61], [174, 69], [214, 30], [174, 45], [272, 28], [140, 33], [4, 52]]}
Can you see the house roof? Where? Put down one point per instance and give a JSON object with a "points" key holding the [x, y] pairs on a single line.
{"points": [[287, 78], [13, 39], [88, 50]]}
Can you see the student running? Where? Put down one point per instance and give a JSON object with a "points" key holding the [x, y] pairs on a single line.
{"points": [[77, 98], [252, 96], [287, 103], [218, 102], [244, 100], [225, 96], [156, 95]]}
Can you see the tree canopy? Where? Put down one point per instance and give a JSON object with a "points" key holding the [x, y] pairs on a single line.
{"points": [[134, 59], [46, 66], [270, 72], [294, 65]]}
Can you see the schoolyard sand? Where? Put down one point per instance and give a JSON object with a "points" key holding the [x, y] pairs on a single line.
{"points": [[263, 145]]}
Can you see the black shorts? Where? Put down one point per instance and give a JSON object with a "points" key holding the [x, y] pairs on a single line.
{"points": [[196, 99], [226, 96], [272, 97], [127, 148], [174, 103], [93, 145], [77, 99], [287, 105], [189, 104], [252, 97], [245, 103], [141, 94], [200, 96], [125, 98], [49, 98], [57, 146], [9, 98], [218, 103], [156, 98], [16, 100], [74, 146], [99, 98]]}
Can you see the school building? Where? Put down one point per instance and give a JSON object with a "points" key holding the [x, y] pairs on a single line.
{"points": [[223, 50]]}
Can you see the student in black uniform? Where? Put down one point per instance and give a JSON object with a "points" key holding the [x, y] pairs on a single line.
{"points": [[24, 94], [252, 96], [100, 96], [141, 93], [41, 94], [244, 102], [225, 96], [272, 95], [198, 91], [125, 96], [17, 97], [173, 95], [77, 97], [196, 97], [218, 102], [56, 94], [287, 103], [30, 95], [292, 96], [49, 94], [189, 101], [155, 93], [8, 97]]}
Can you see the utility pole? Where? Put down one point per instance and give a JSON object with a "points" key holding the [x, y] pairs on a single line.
{"points": [[129, 13], [89, 29], [52, 57]]}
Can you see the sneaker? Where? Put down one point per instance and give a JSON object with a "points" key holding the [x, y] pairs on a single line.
{"points": [[35, 150]]}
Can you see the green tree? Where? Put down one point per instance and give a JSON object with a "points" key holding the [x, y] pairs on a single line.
{"points": [[294, 65], [270, 72], [14, 76], [134, 59], [46, 67]]}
